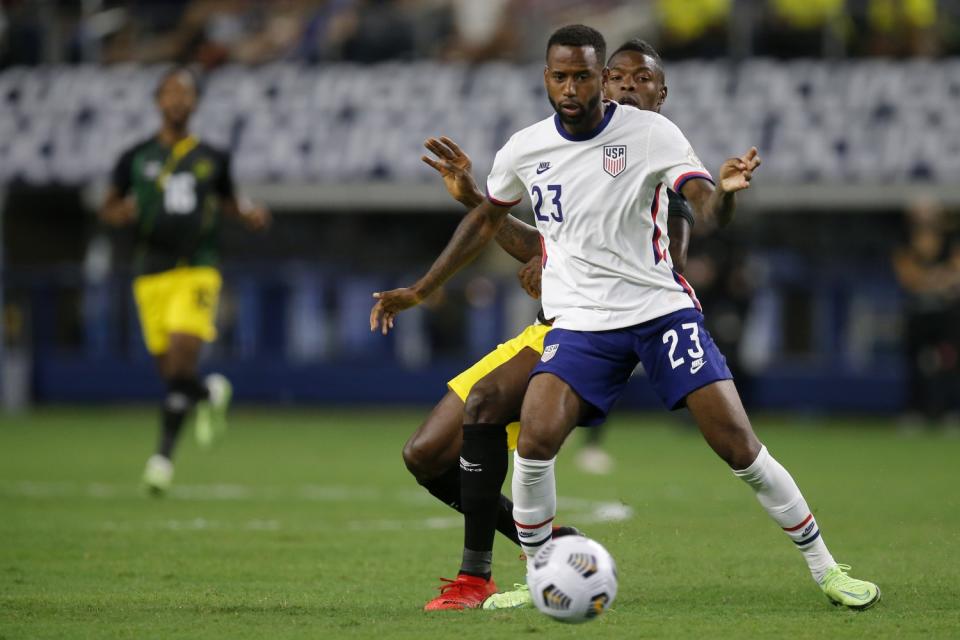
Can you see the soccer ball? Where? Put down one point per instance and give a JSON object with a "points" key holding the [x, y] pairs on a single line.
{"points": [[573, 579]]}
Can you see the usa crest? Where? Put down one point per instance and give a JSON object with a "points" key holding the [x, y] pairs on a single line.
{"points": [[614, 159], [549, 352]]}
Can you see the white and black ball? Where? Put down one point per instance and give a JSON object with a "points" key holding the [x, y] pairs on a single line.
{"points": [[573, 579]]}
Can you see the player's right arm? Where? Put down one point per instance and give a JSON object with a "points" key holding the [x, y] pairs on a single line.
{"points": [[519, 239], [479, 227], [119, 208], [472, 234]]}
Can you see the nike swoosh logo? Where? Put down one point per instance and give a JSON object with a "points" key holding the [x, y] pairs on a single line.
{"points": [[539, 171], [696, 367], [858, 596]]}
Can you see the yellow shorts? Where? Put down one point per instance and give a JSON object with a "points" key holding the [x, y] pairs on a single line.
{"points": [[181, 300], [531, 337]]}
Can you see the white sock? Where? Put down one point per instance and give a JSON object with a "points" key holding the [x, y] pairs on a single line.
{"points": [[781, 497], [534, 502]]}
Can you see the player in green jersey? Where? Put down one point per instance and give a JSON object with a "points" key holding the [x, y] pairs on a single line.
{"points": [[175, 190]]}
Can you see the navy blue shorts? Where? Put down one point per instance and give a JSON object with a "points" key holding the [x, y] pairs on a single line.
{"points": [[676, 351]]}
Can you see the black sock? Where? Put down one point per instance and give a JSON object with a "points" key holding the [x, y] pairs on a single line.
{"points": [[175, 407], [446, 489], [483, 467], [182, 394], [505, 523], [477, 563], [194, 388]]}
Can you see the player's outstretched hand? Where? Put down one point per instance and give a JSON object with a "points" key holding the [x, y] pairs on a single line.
{"points": [[388, 305], [736, 173], [530, 275], [454, 167]]}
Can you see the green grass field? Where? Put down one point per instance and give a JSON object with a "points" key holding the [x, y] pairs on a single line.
{"points": [[305, 524]]}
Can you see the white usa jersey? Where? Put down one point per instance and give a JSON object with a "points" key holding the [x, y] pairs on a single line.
{"points": [[600, 202]]}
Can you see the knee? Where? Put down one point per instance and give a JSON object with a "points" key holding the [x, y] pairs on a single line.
{"points": [[484, 405], [742, 457], [534, 448], [418, 459], [741, 450], [175, 369], [179, 363]]}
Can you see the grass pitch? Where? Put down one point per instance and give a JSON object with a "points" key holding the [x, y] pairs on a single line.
{"points": [[304, 524]]}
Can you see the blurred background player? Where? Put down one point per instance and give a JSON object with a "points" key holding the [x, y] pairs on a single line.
{"points": [[468, 423], [174, 189], [928, 269]]}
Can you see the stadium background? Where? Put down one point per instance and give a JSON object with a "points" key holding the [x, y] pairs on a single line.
{"points": [[855, 106]]}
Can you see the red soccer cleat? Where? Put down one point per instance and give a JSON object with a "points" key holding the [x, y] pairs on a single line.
{"points": [[466, 592]]}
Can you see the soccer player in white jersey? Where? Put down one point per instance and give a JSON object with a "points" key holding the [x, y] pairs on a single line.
{"points": [[596, 174]]}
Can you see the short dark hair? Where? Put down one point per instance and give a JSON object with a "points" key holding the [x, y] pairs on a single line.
{"points": [[175, 71], [579, 35], [640, 46]]}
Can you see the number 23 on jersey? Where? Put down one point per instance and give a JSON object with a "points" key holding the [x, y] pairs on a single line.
{"points": [[547, 207]]}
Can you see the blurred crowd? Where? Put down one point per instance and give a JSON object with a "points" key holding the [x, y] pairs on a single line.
{"points": [[214, 32]]}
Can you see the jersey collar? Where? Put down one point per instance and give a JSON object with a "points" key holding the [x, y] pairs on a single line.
{"points": [[607, 116]]}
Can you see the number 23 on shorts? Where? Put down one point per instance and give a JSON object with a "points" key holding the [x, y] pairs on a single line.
{"points": [[672, 338]]}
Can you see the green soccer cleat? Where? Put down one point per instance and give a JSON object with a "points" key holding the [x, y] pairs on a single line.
{"points": [[158, 475], [519, 598], [211, 419], [842, 590]]}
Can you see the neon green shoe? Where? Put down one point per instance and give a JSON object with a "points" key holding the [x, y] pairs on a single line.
{"points": [[519, 598], [210, 423], [158, 475], [849, 592], [203, 424]]}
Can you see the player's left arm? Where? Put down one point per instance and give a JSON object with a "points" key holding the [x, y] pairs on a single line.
{"points": [[255, 217], [119, 207], [717, 204], [680, 222], [530, 275]]}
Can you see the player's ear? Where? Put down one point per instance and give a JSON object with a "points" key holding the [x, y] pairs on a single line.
{"points": [[663, 96], [605, 75]]}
